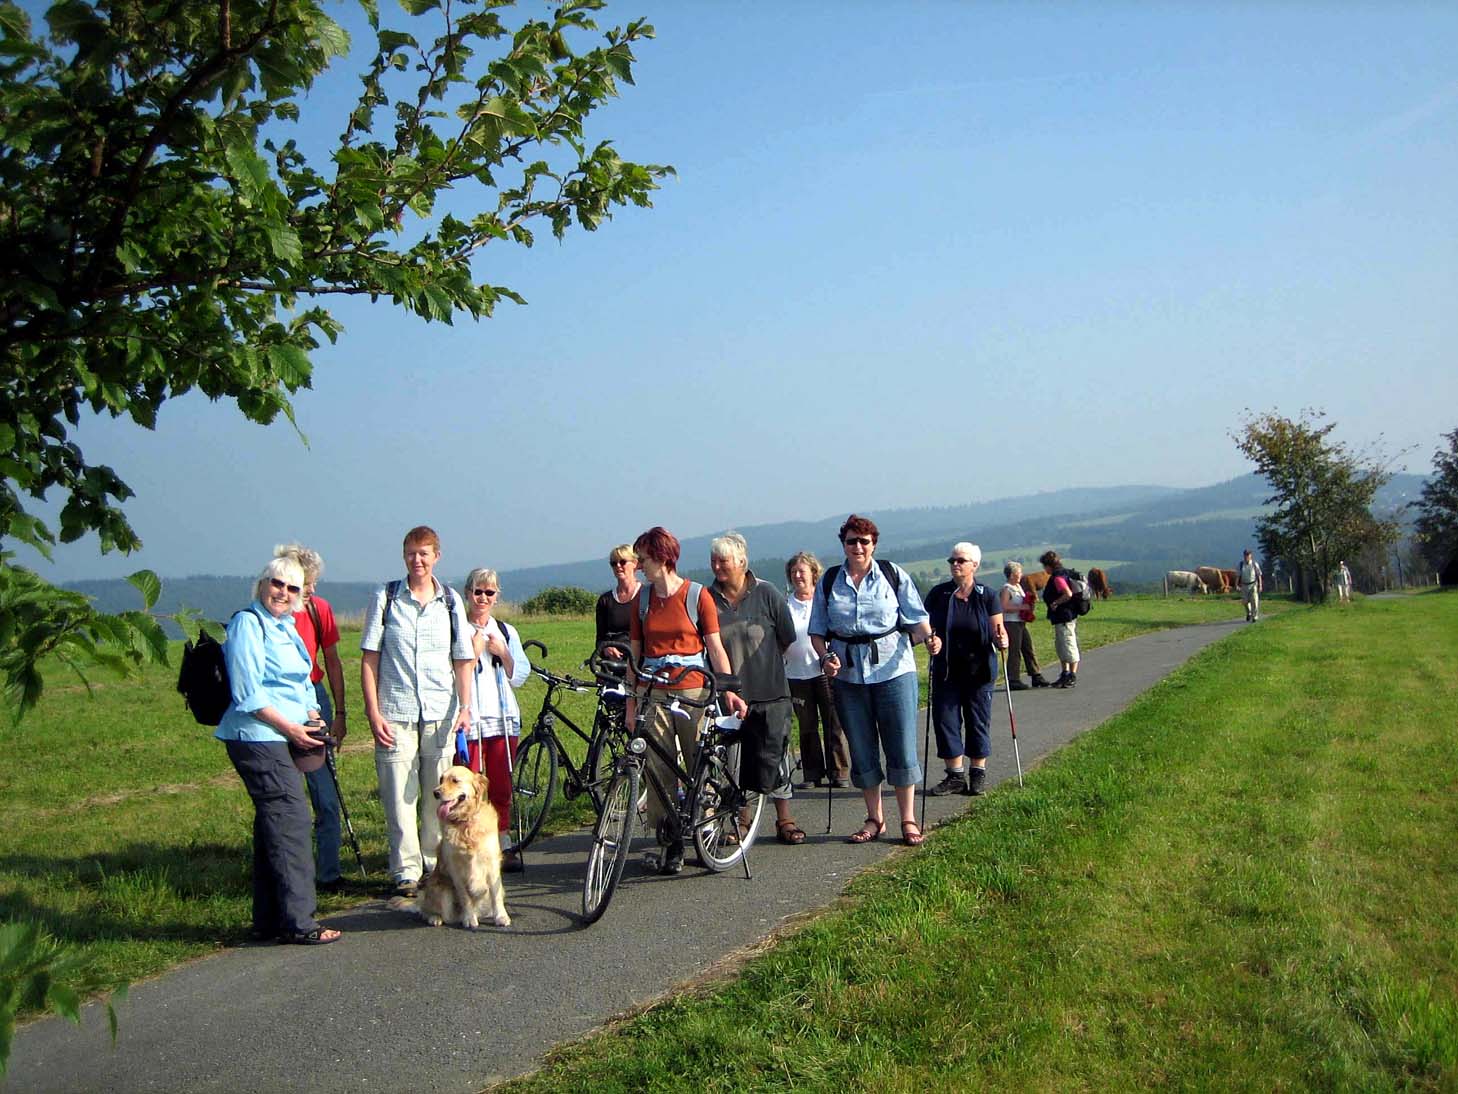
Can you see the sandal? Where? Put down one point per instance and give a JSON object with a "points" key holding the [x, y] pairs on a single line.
{"points": [[867, 834], [787, 831], [319, 936], [912, 839]]}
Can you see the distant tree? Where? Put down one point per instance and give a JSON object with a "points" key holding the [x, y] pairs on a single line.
{"points": [[561, 600], [1437, 523], [162, 230], [1322, 493]]}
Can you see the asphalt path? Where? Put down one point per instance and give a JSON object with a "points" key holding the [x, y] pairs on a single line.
{"points": [[397, 1005]]}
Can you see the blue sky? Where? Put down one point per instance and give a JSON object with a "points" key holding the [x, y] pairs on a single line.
{"points": [[916, 254]]}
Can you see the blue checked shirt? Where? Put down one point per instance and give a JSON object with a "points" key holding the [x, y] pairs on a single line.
{"points": [[416, 681], [871, 609]]}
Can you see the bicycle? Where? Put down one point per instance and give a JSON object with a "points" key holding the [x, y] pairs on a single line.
{"points": [[541, 753], [714, 809]]}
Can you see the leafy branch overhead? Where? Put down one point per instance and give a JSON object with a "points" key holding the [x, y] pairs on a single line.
{"points": [[163, 230], [165, 225]]}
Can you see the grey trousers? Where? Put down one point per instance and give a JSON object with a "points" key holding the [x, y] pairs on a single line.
{"points": [[283, 831]]}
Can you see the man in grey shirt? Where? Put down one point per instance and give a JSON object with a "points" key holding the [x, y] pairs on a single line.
{"points": [[756, 628], [415, 674]]}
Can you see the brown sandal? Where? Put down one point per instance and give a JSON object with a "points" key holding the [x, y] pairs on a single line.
{"points": [[787, 831], [912, 839], [866, 834]]}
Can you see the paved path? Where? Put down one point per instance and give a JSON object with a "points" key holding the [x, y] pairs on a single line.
{"points": [[400, 1006]]}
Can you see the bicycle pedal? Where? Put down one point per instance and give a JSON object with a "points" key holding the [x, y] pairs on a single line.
{"points": [[571, 788]]}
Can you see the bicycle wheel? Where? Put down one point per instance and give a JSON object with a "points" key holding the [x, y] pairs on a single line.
{"points": [[533, 785], [612, 837], [718, 802]]}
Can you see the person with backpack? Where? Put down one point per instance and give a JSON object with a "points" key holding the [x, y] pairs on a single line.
{"points": [[676, 624], [263, 725], [1058, 595], [865, 618], [415, 676], [501, 665], [317, 627], [967, 632]]}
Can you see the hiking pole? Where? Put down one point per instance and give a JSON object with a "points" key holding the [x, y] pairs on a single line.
{"points": [[926, 740], [343, 809], [1012, 722]]}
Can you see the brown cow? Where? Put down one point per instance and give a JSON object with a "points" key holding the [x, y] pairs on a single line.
{"points": [[1213, 578], [1232, 580], [1098, 583]]}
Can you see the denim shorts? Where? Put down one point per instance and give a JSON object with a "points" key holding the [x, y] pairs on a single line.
{"points": [[880, 718]]}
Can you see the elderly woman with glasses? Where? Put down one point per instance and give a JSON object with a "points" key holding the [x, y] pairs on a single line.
{"points": [[501, 665], [967, 632], [272, 699], [615, 607], [865, 618]]}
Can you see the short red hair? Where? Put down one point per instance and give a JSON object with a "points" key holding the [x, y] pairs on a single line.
{"points": [[423, 535], [860, 526], [659, 544]]}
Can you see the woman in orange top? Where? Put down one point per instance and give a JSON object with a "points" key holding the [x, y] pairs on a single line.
{"points": [[665, 636]]}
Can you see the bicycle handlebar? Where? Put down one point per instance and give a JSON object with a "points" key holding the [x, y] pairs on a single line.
{"points": [[530, 642], [664, 676]]}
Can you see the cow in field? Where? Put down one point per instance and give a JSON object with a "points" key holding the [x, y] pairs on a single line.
{"points": [[1183, 580], [1213, 579], [1098, 583], [1232, 580], [1033, 582]]}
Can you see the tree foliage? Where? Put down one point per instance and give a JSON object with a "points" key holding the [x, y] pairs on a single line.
{"points": [[561, 600], [165, 227], [37, 973], [1322, 492], [1437, 522]]}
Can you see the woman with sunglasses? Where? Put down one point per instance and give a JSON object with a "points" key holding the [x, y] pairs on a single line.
{"points": [[501, 665], [864, 620], [268, 675], [615, 607], [967, 632]]}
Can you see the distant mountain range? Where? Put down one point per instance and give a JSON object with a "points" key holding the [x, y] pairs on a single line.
{"points": [[1136, 532]]}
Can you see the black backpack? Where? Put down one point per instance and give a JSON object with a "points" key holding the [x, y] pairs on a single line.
{"points": [[1082, 595], [202, 678]]}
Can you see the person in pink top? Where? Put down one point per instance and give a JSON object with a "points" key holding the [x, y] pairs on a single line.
{"points": [[317, 627]]}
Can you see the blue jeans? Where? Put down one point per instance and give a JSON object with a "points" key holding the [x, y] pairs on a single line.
{"points": [[880, 718], [326, 805], [958, 705]]}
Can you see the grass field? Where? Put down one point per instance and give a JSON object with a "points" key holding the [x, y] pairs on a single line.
{"points": [[153, 868], [1248, 880]]}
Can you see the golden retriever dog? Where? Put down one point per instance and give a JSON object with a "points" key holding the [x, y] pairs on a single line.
{"points": [[466, 881]]}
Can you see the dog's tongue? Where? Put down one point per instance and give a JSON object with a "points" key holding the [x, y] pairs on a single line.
{"points": [[443, 811]]}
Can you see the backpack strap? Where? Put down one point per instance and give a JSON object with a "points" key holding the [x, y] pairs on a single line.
{"points": [[691, 605], [392, 590]]}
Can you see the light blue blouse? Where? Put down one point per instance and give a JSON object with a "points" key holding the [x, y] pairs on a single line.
{"points": [[268, 666], [870, 609]]}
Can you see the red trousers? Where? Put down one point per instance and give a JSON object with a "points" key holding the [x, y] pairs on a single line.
{"points": [[498, 772]]}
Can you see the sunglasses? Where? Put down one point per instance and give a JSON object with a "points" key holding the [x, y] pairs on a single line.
{"points": [[853, 541], [959, 562], [277, 584], [484, 592], [615, 563]]}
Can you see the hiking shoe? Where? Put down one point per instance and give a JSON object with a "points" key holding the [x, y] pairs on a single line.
{"points": [[511, 862], [839, 784], [977, 782], [1016, 685], [670, 859], [954, 783], [1039, 682], [1071, 681], [407, 889]]}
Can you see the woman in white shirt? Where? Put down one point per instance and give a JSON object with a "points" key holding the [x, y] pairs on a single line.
{"points": [[823, 748], [1017, 612], [501, 665]]}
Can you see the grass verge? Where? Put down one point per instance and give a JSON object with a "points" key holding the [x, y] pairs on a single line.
{"points": [[1247, 880]]}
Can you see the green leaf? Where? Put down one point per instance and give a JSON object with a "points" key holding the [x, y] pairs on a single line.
{"points": [[250, 171], [290, 364], [148, 584], [284, 242]]}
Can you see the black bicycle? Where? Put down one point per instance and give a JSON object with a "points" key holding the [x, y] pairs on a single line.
{"points": [[541, 754], [721, 817]]}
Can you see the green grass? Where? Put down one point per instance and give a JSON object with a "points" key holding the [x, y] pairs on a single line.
{"points": [[1249, 880], [152, 868]]}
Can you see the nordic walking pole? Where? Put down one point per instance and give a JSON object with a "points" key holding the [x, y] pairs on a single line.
{"points": [[1012, 721], [343, 809]]}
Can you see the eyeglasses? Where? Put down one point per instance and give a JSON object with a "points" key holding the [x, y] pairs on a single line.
{"points": [[277, 584], [484, 592], [857, 541], [959, 562], [615, 563]]}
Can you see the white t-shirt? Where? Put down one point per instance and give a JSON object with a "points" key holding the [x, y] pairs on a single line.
{"points": [[489, 687], [800, 660]]}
